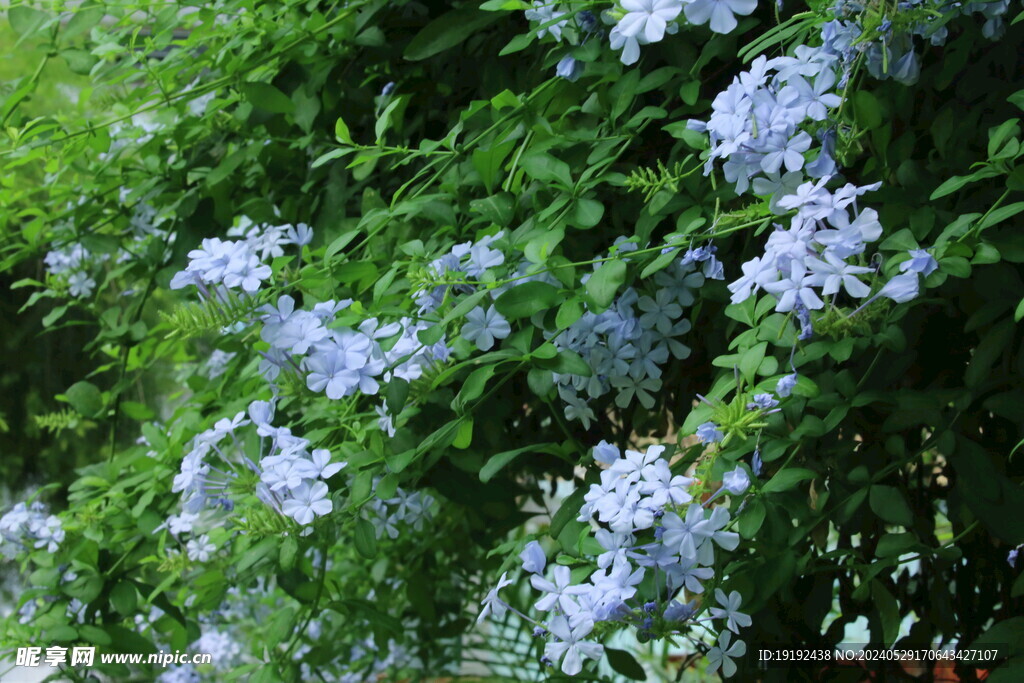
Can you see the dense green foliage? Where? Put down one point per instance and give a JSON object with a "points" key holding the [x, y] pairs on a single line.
{"points": [[888, 486]]}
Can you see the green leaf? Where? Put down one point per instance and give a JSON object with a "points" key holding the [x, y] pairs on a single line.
{"points": [[496, 462], [475, 384], [624, 663], [342, 133], [527, 298], [888, 612], [546, 168], [587, 213], [901, 240], [255, 553], [569, 510], [787, 478], [605, 282], [83, 19], [464, 436], [488, 162], [520, 42], [447, 31], [384, 120], [661, 262], [289, 548], [85, 398], [1009, 633], [26, 21], [365, 539], [338, 244], [867, 109], [498, 208], [124, 597], [1001, 214], [54, 315], [267, 97], [889, 504], [396, 395], [397, 462], [751, 519], [567, 362], [571, 310]]}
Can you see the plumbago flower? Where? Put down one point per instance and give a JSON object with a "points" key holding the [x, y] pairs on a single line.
{"points": [[219, 266], [626, 345], [659, 547], [219, 471], [27, 527]]}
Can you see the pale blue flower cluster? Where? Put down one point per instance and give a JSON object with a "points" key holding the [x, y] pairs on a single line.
{"points": [[626, 345], [757, 125], [463, 261], [890, 51], [404, 509], [223, 264], [341, 361], [239, 264], [634, 23], [76, 266], [651, 530], [29, 527], [292, 476]]}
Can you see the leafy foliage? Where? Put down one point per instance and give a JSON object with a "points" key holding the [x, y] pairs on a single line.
{"points": [[470, 212]]}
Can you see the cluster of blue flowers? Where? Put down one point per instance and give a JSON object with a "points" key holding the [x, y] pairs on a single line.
{"points": [[404, 509], [220, 265], [76, 268], [757, 124], [28, 527], [634, 23], [810, 259], [889, 46], [649, 524], [626, 345], [758, 129], [292, 477]]}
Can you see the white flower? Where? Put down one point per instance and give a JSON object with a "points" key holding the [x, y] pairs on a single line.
{"points": [[560, 592], [736, 481], [834, 272], [80, 284], [920, 262], [901, 288], [543, 12]]}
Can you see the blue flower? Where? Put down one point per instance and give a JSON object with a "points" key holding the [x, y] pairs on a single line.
{"points": [[709, 433], [762, 402], [756, 464], [785, 386], [533, 558], [920, 262], [736, 482], [484, 326], [569, 69]]}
